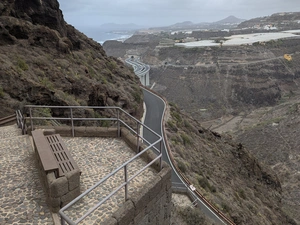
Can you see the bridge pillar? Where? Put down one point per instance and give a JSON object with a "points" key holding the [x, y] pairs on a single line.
{"points": [[141, 70], [147, 79]]}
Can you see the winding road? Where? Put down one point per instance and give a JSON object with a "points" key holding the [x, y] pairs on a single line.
{"points": [[155, 110], [155, 107]]}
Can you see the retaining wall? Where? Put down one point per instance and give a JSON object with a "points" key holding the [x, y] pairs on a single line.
{"points": [[152, 206]]}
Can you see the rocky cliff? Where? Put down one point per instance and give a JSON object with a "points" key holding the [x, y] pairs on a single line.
{"points": [[46, 61]]}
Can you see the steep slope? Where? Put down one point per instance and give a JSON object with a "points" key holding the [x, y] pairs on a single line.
{"points": [[272, 135], [44, 60], [226, 173]]}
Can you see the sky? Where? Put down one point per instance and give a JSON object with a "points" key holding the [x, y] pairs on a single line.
{"points": [[149, 13]]}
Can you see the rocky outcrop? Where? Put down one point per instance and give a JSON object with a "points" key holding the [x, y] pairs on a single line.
{"points": [[37, 12], [46, 61]]}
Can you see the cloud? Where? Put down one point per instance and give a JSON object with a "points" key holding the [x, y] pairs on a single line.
{"points": [[156, 12]]}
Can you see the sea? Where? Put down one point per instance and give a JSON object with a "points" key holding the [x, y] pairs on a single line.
{"points": [[103, 36]]}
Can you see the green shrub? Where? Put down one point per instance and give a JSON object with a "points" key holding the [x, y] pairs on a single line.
{"points": [[225, 207], [46, 83], [42, 112], [22, 64], [112, 65], [181, 166], [1, 92], [203, 182], [172, 126], [187, 124], [137, 96], [193, 216], [242, 194], [176, 116], [186, 139]]}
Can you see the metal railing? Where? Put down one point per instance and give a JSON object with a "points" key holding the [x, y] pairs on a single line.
{"points": [[118, 119], [21, 121]]}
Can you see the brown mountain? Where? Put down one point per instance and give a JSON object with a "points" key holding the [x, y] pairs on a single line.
{"points": [[230, 19]]}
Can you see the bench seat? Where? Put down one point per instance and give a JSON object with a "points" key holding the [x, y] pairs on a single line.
{"points": [[53, 153], [63, 157], [44, 151]]}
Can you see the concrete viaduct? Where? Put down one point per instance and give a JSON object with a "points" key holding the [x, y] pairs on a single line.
{"points": [[140, 69]]}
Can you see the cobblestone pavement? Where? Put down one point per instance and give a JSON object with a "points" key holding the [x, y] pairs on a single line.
{"points": [[22, 199], [97, 157]]}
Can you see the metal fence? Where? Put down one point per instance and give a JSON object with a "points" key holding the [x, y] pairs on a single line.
{"points": [[117, 119]]}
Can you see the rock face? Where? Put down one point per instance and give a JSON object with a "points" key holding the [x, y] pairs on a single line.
{"points": [[46, 61]]}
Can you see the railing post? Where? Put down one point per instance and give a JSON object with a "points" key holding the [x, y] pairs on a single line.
{"points": [[62, 221], [118, 122], [160, 159], [31, 122], [23, 124], [72, 122], [137, 137], [126, 185]]}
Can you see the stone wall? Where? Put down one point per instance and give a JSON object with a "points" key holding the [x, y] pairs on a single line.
{"points": [[60, 191], [151, 206]]}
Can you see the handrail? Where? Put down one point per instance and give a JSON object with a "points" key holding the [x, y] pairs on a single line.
{"points": [[7, 119], [21, 121], [64, 217]]}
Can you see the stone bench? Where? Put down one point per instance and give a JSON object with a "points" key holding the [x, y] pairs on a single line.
{"points": [[60, 173]]}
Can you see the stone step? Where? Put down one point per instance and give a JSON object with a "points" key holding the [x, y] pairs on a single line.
{"points": [[10, 131]]}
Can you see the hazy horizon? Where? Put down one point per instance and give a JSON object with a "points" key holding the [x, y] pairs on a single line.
{"points": [[93, 13]]}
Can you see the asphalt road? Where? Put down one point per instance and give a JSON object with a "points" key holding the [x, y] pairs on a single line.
{"points": [[153, 119], [154, 111]]}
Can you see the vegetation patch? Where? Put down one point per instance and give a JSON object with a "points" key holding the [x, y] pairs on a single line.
{"points": [[1, 92], [186, 139], [181, 165], [46, 83], [193, 216], [22, 64]]}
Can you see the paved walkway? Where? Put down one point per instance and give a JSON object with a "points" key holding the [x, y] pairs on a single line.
{"points": [[22, 199], [97, 157]]}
